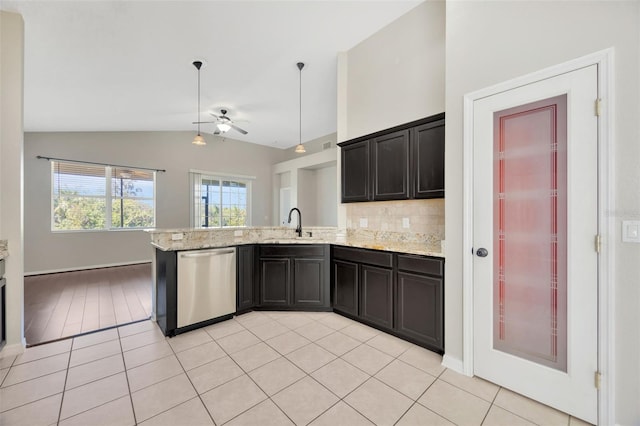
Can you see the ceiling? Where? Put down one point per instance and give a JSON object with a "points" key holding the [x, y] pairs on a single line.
{"points": [[127, 65]]}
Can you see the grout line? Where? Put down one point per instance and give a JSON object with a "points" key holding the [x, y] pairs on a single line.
{"points": [[126, 375], [64, 385], [26, 364], [199, 396], [269, 397]]}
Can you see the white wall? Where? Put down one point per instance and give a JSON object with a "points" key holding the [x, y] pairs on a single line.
{"points": [[326, 196], [397, 75], [490, 42], [173, 151], [11, 193], [302, 175], [307, 196]]}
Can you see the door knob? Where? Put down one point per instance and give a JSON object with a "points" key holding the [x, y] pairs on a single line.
{"points": [[482, 252]]}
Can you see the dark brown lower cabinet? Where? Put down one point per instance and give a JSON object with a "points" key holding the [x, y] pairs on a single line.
{"points": [[294, 276], [247, 278], [399, 293], [345, 286], [376, 295], [275, 281], [309, 282], [419, 308]]}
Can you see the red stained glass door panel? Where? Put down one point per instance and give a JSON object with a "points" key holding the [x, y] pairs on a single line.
{"points": [[529, 231]]}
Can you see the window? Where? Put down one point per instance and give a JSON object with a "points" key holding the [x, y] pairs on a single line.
{"points": [[220, 201], [92, 197]]}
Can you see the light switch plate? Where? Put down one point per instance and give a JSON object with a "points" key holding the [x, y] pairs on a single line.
{"points": [[364, 222], [631, 231], [405, 222]]}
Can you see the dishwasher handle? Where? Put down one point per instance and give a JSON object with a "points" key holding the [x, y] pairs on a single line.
{"points": [[207, 253]]}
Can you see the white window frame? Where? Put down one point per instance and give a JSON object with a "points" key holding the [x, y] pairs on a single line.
{"points": [[109, 198], [195, 178]]}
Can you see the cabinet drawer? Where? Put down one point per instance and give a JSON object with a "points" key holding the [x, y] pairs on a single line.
{"points": [[372, 257], [420, 264], [296, 250]]}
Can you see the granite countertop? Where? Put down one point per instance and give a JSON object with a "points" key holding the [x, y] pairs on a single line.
{"points": [[400, 247], [4, 251], [194, 239]]}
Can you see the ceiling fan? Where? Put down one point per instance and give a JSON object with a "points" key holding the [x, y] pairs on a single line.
{"points": [[223, 123]]}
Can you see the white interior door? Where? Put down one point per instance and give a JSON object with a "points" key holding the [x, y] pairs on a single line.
{"points": [[535, 219]]}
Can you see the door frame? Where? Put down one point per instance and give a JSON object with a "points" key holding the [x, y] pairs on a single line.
{"points": [[604, 59]]}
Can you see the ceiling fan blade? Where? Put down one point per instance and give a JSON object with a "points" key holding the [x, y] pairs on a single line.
{"points": [[233, 126], [214, 115], [202, 122]]}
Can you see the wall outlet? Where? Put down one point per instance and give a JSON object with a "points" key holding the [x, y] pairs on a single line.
{"points": [[405, 222], [364, 222], [177, 237], [237, 233], [631, 231]]}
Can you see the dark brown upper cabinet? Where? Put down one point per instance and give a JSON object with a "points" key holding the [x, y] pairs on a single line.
{"points": [[399, 163], [427, 143], [356, 172], [390, 171]]}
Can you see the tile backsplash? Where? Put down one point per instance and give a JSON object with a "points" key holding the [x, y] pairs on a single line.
{"points": [[407, 216]]}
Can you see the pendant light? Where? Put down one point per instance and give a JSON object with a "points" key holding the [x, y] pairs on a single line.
{"points": [[198, 140], [300, 148]]}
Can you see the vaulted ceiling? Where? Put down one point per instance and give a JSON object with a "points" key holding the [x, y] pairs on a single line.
{"points": [[127, 65]]}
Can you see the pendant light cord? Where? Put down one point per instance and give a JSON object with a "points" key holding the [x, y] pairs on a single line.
{"points": [[198, 116], [300, 121], [300, 66]]}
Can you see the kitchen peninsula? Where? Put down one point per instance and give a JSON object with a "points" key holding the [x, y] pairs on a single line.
{"points": [[389, 280]]}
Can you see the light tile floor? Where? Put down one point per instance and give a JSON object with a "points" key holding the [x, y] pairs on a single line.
{"points": [[261, 368]]}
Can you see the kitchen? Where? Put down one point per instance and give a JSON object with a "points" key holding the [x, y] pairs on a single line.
{"points": [[359, 123]]}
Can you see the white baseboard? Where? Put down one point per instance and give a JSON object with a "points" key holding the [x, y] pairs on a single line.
{"points": [[84, 268], [13, 350], [452, 363]]}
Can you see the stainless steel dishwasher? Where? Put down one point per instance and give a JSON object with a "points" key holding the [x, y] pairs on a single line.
{"points": [[206, 285]]}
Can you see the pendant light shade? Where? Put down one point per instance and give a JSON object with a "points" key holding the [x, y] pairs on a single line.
{"points": [[300, 148], [198, 140]]}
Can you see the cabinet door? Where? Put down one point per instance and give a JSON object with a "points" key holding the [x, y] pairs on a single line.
{"points": [[355, 172], [275, 281], [419, 309], [390, 158], [247, 289], [308, 283], [345, 287], [167, 291], [428, 160], [376, 295]]}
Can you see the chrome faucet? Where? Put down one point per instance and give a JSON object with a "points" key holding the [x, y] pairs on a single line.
{"points": [[299, 228]]}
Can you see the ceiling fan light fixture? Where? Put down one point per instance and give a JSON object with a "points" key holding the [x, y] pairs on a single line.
{"points": [[223, 127], [300, 149], [199, 140]]}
